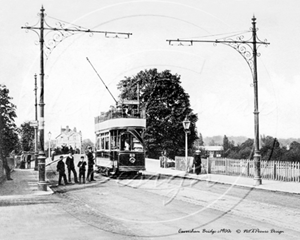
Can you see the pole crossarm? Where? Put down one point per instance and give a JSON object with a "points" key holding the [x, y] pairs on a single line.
{"points": [[62, 33], [247, 48], [243, 47], [212, 41], [77, 30]]}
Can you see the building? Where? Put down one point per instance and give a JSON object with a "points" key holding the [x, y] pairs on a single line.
{"points": [[213, 151], [69, 137]]}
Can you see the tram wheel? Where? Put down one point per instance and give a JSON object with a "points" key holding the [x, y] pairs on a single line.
{"points": [[102, 170], [115, 174], [107, 172]]}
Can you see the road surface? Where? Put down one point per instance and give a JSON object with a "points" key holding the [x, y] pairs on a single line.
{"points": [[150, 208]]}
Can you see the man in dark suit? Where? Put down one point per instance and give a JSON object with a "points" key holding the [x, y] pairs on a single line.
{"points": [[61, 171], [197, 162], [81, 165], [71, 167], [90, 157]]}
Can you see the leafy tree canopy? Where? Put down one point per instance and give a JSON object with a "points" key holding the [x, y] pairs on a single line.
{"points": [[198, 142], [27, 137], [166, 105], [293, 153], [8, 130], [270, 150], [86, 143], [227, 146]]}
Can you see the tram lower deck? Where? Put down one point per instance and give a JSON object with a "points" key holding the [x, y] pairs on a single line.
{"points": [[119, 145]]}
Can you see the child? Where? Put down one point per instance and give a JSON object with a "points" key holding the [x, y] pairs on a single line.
{"points": [[61, 171], [81, 165]]}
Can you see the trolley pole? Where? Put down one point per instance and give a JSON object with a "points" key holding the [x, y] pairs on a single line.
{"points": [[62, 33], [248, 50]]}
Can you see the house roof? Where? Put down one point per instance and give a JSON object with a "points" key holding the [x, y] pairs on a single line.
{"points": [[68, 132], [213, 148]]}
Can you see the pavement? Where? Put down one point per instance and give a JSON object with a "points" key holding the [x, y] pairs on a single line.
{"points": [[153, 168], [25, 181]]}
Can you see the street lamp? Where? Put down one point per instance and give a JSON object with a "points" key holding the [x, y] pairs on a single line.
{"points": [[186, 125], [49, 149]]}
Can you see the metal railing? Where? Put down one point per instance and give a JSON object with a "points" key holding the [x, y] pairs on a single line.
{"points": [[274, 170]]}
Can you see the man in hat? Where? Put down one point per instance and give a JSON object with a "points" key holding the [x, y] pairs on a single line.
{"points": [[71, 167], [197, 162], [81, 164], [61, 171], [90, 157]]}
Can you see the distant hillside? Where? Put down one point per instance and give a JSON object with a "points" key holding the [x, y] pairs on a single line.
{"points": [[219, 139], [287, 141], [240, 139]]}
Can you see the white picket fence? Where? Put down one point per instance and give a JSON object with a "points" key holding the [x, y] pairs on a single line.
{"points": [[275, 170]]}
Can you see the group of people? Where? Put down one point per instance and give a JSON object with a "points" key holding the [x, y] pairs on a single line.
{"points": [[81, 167], [25, 159]]}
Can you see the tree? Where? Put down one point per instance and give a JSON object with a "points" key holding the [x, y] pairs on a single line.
{"points": [[246, 149], [212, 143], [226, 146], [27, 137], [8, 130], [166, 105], [198, 142], [270, 149], [293, 154], [86, 143]]}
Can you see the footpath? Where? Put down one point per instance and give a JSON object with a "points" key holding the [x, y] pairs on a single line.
{"points": [[25, 181], [153, 168]]}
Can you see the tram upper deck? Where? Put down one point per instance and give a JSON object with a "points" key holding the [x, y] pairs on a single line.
{"points": [[112, 121]]}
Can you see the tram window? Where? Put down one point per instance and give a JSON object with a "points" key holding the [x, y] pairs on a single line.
{"points": [[106, 142], [114, 144], [102, 143], [126, 142], [137, 147], [127, 145], [98, 143], [118, 142]]}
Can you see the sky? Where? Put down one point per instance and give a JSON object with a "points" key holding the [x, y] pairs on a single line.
{"points": [[217, 78]]}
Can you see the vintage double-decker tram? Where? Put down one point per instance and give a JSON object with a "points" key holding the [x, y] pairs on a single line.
{"points": [[119, 143]]}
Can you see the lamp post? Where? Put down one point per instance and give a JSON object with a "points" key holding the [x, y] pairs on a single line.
{"points": [[186, 125], [49, 149], [36, 126], [61, 34]]}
